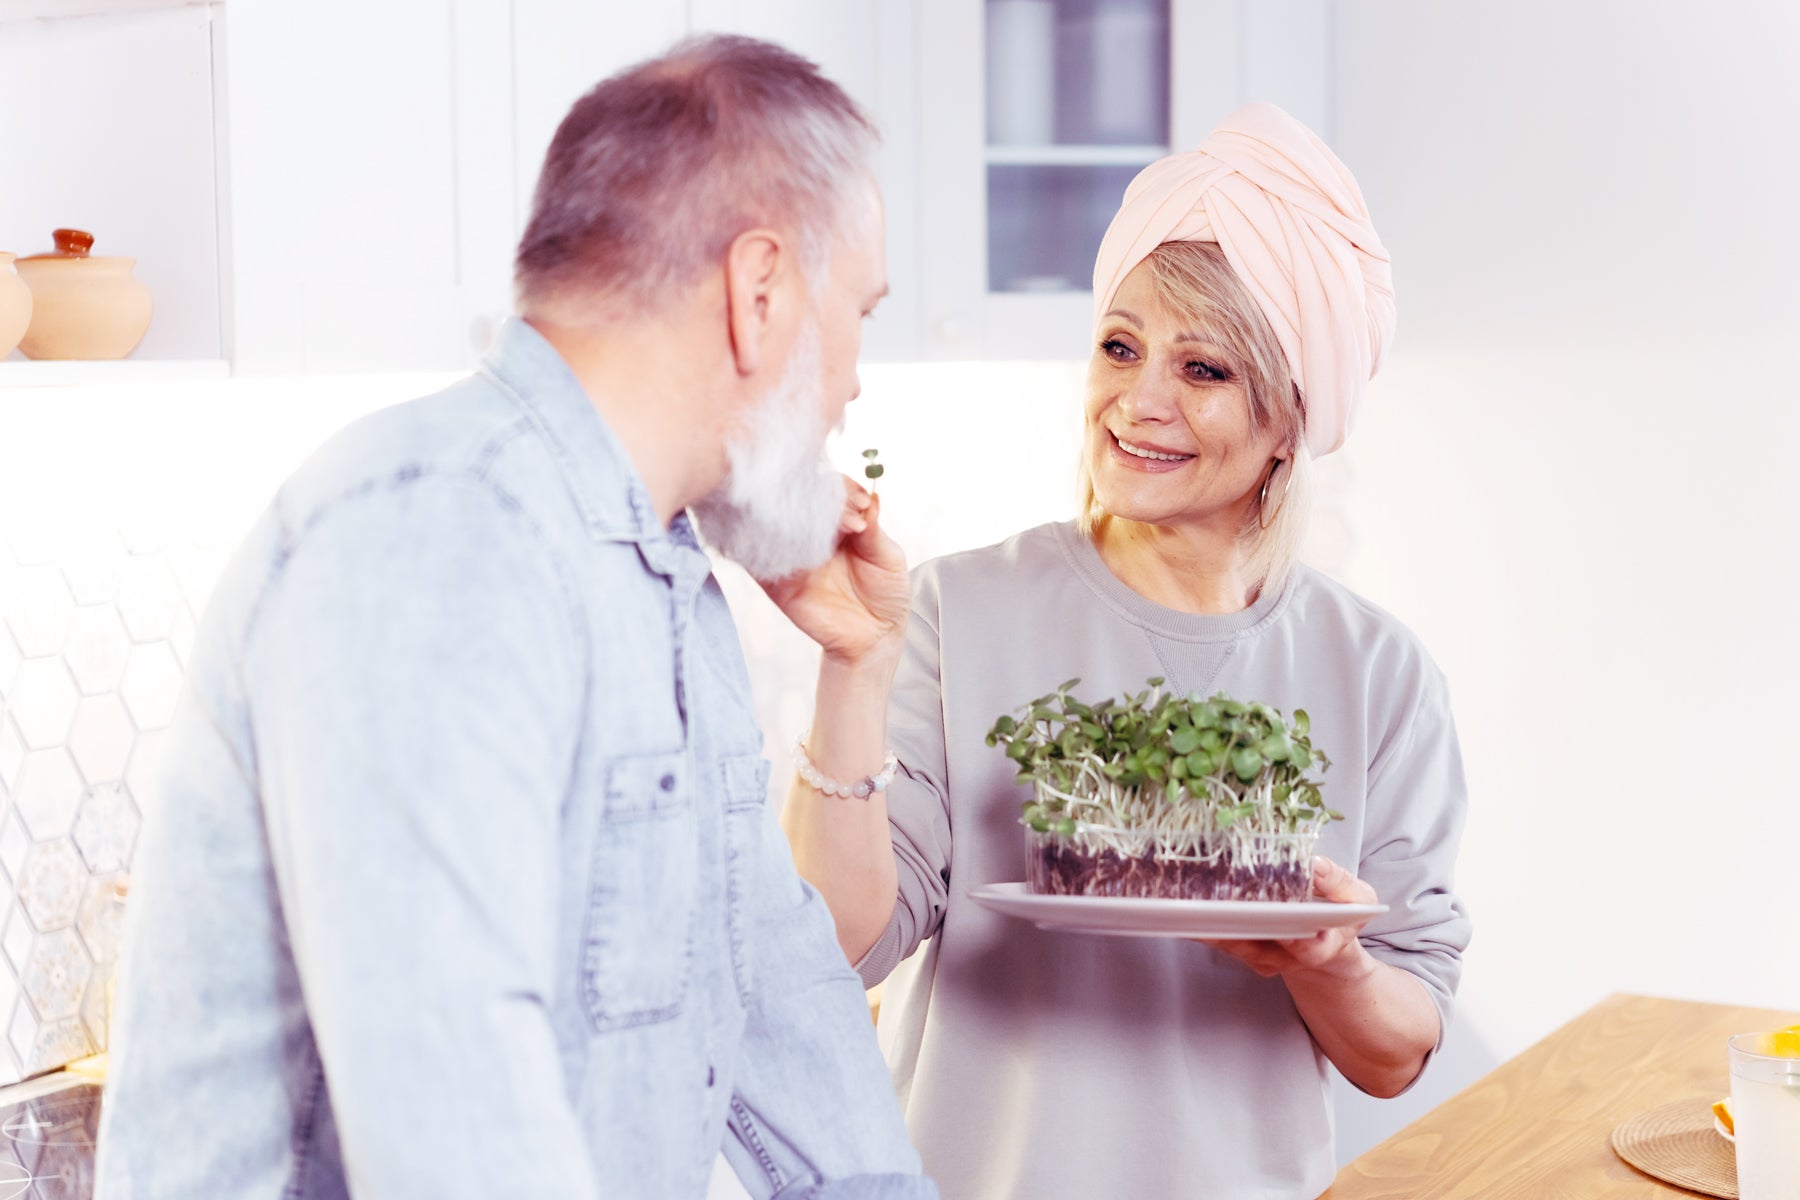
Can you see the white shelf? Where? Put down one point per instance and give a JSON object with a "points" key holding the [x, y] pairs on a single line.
{"points": [[27, 10], [1074, 156], [16, 373]]}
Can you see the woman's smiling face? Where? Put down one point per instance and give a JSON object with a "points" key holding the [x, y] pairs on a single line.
{"points": [[1169, 436]]}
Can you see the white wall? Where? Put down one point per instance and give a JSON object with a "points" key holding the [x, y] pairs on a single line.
{"points": [[1575, 480]]}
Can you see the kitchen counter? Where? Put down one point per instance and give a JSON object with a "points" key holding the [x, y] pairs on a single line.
{"points": [[1540, 1124]]}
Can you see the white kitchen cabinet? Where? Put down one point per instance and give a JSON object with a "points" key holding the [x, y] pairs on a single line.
{"points": [[107, 124], [371, 206], [1037, 113], [991, 239], [307, 187], [339, 185]]}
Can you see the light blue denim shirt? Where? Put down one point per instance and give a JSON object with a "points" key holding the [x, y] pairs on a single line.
{"points": [[463, 879]]}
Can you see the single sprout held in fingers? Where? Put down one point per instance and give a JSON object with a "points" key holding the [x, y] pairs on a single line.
{"points": [[873, 469]]}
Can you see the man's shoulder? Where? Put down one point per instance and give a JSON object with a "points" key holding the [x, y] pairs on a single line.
{"points": [[470, 432]]}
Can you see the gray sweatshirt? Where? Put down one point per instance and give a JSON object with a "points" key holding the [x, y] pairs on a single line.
{"points": [[1035, 1065]]}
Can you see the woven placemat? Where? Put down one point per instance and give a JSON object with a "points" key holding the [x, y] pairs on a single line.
{"points": [[1678, 1144]]}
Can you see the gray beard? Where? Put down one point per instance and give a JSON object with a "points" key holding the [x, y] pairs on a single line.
{"points": [[776, 512]]}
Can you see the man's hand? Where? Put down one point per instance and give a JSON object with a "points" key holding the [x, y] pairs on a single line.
{"points": [[854, 605], [1330, 951]]}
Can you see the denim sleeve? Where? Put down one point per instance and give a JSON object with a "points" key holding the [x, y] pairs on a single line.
{"points": [[412, 670], [813, 1112]]}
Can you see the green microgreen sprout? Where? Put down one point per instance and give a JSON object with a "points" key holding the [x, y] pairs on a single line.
{"points": [[1193, 774], [872, 468]]}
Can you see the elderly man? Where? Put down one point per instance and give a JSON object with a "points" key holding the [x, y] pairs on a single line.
{"points": [[464, 882]]}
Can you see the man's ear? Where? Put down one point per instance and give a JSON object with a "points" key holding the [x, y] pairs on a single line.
{"points": [[754, 264]]}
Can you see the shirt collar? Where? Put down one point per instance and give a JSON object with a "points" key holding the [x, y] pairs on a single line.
{"points": [[607, 488]]}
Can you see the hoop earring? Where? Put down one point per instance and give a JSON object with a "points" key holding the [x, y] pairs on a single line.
{"points": [[1263, 515]]}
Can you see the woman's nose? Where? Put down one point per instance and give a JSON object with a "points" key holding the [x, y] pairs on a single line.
{"points": [[1149, 399]]}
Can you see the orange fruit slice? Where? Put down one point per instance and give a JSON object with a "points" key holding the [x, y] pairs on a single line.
{"points": [[1783, 1043], [1722, 1111]]}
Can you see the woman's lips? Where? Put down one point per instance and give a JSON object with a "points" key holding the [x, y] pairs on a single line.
{"points": [[1165, 461]]}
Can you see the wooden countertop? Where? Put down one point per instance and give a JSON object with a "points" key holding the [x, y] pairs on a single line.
{"points": [[1540, 1124]]}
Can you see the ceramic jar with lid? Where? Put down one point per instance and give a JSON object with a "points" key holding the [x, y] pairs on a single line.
{"points": [[83, 306], [15, 305]]}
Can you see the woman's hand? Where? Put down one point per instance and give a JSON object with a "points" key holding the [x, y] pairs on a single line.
{"points": [[854, 605], [1334, 951], [1374, 1021]]}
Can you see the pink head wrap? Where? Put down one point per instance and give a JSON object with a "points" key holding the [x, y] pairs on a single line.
{"points": [[1292, 223]]}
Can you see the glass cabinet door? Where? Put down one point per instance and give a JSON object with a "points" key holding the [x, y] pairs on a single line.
{"points": [[1032, 116], [1077, 102]]}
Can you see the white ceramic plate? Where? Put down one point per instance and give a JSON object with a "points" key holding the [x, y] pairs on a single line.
{"points": [[1257, 920]]}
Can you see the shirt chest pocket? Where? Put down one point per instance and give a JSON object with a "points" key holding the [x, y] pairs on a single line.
{"points": [[643, 888]]}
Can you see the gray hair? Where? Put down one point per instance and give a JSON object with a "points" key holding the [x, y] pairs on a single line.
{"points": [[1195, 280], [653, 173]]}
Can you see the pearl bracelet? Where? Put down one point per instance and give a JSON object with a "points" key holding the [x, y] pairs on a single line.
{"points": [[862, 789]]}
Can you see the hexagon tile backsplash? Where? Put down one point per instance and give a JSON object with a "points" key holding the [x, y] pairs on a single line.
{"points": [[95, 632]]}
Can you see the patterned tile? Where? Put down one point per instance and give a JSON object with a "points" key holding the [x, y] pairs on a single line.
{"points": [[42, 540], [96, 1010], [12, 751], [106, 828], [48, 792], [56, 974], [9, 994], [181, 637], [21, 1033], [97, 648], [42, 701], [148, 528], [102, 917], [141, 773], [151, 685], [149, 598], [200, 573], [15, 844], [18, 938], [101, 737], [97, 625], [58, 1042], [93, 563], [51, 885], [9, 659], [37, 608]]}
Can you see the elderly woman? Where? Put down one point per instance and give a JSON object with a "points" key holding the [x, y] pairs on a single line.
{"points": [[1242, 300]]}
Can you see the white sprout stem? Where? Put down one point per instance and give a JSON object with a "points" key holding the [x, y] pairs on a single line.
{"points": [[1125, 819]]}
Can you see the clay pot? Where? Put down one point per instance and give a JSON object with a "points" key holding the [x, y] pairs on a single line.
{"points": [[15, 305], [82, 306]]}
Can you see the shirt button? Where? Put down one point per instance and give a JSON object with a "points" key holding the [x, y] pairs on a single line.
{"points": [[666, 783]]}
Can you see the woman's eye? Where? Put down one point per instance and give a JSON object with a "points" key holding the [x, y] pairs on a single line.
{"points": [[1116, 350], [1206, 371]]}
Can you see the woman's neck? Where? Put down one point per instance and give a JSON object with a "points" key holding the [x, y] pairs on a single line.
{"points": [[1188, 571]]}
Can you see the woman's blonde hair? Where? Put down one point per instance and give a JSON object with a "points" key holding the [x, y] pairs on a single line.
{"points": [[1196, 282]]}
